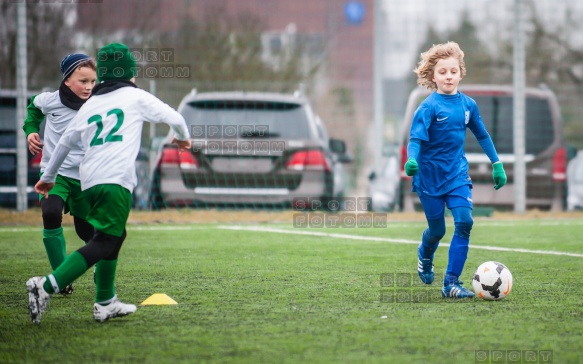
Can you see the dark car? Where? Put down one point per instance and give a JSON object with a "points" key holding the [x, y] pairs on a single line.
{"points": [[545, 155], [250, 149], [8, 155]]}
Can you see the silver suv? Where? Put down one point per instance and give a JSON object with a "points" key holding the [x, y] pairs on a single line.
{"points": [[252, 150], [545, 149]]}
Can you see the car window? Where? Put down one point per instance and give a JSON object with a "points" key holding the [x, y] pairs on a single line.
{"points": [[7, 115], [283, 120], [7, 163], [497, 115], [7, 139]]}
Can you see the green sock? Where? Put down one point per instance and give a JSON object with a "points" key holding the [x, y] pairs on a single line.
{"points": [[72, 268], [55, 246], [104, 280]]}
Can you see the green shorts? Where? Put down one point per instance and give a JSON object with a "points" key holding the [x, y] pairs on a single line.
{"points": [[69, 189], [110, 208]]}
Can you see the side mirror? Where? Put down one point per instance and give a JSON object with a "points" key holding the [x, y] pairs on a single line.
{"points": [[345, 158], [372, 176], [337, 146]]}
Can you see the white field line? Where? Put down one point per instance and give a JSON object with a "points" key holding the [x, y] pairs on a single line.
{"points": [[390, 225], [328, 235], [390, 240]]}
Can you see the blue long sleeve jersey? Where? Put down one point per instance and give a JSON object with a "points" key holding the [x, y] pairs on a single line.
{"points": [[439, 127]]}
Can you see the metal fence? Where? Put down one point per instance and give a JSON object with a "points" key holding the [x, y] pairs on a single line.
{"points": [[321, 51]]}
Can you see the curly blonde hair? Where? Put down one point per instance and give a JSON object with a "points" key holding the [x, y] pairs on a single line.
{"points": [[429, 59]]}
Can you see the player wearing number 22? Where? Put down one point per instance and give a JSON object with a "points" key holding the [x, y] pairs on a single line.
{"points": [[109, 127]]}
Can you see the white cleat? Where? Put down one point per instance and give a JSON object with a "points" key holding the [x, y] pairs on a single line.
{"points": [[38, 298], [115, 309]]}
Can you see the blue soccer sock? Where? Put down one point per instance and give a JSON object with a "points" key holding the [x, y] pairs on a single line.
{"points": [[458, 253], [428, 244]]}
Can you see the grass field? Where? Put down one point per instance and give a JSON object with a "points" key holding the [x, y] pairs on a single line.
{"points": [[269, 293]]}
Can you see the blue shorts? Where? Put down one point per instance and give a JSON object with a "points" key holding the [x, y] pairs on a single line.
{"points": [[434, 206]]}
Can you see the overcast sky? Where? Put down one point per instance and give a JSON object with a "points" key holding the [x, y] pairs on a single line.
{"points": [[407, 22]]}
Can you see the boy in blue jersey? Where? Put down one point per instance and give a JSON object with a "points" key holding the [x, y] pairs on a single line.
{"points": [[437, 162]]}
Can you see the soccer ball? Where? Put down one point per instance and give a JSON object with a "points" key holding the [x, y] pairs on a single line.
{"points": [[492, 281]]}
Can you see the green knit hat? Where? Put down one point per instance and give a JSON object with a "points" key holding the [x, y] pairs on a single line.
{"points": [[115, 62]]}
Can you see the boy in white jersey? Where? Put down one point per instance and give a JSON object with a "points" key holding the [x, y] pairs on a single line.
{"points": [[59, 108], [109, 127]]}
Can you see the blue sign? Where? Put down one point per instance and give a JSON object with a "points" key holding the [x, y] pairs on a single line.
{"points": [[354, 12]]}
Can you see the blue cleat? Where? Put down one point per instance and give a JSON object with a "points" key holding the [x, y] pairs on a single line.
{"points": [[455, 290], [425, 269]]}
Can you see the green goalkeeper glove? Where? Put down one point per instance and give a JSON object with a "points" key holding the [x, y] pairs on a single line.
{"points": [[411, 167], [498, 175]]}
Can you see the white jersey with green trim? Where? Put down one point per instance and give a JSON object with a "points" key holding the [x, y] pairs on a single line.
{"points": [[109, 126], [58, 117]]}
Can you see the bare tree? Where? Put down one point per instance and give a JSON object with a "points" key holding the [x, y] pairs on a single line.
{"points": [[134, 23], [49, 36], [476, 56], [225, 53], [554, 58]]}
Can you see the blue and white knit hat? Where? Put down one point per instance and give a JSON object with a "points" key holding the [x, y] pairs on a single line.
{"points": [[70, 63]]}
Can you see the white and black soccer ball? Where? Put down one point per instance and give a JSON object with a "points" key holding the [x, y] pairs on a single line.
{"points": [[492, 281]]}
